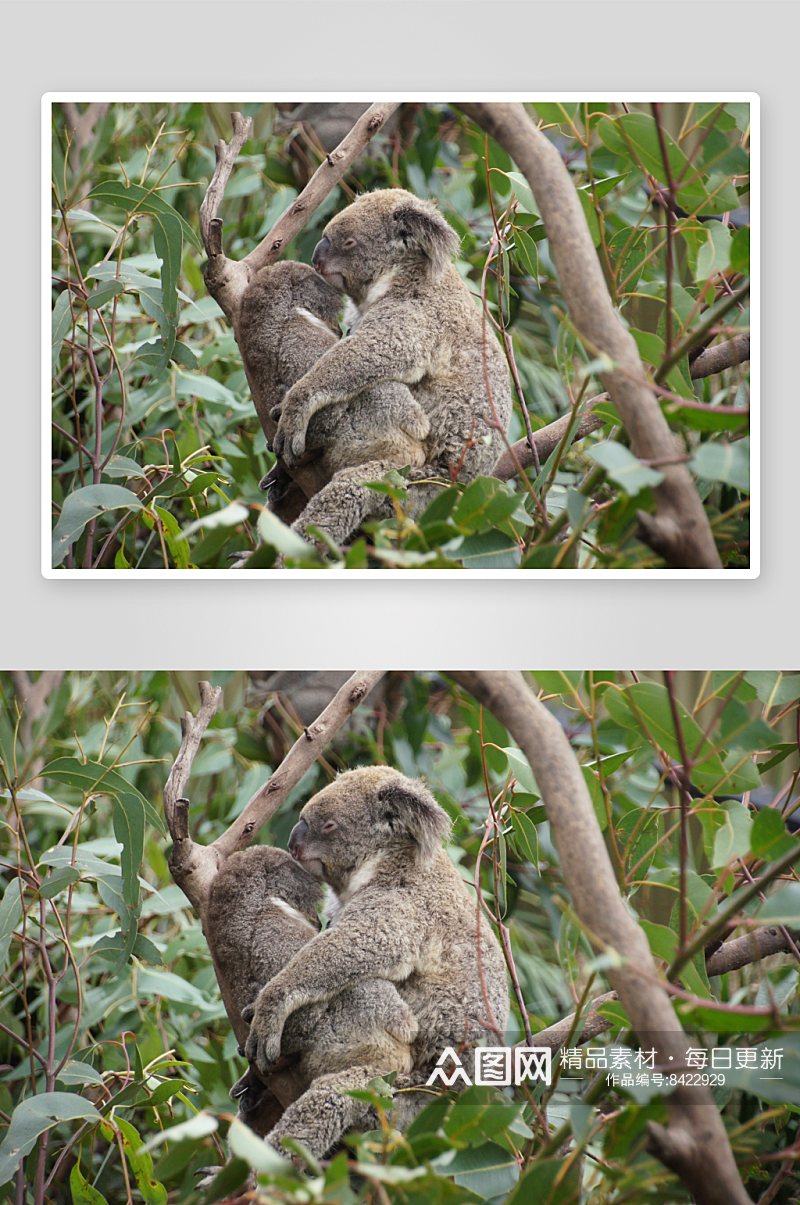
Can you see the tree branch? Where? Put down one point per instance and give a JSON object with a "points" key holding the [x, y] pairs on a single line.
{"points": [[547, 440], [594, 1024], [227, 279], [724, 355], [681, 524], [695, 1145], [302, 755], [750, 948]]}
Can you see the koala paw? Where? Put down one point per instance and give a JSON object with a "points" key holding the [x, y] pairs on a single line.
{"points": [[404, 1027], [290, 439], [417, 424], [264, 1040], [276, 412]]}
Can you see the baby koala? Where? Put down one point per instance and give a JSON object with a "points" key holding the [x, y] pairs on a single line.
{"points": [[263, 909], [289, 318]]}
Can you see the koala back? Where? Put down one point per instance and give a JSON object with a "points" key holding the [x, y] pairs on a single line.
{"points": [[262, 908]]}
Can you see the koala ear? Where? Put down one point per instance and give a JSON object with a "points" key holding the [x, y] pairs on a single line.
{"points": [[408, 807], [418, 226]]}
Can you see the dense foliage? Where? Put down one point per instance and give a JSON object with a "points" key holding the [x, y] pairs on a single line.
{"points": [[157, 452], [112, 1030]]}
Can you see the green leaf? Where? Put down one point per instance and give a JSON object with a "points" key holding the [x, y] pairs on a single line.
{"points": [[635, 137], [489, 550], [168, 244], [199, 1126], [769, 839], [124, 466], [283, 539], [228, 516], [732, 839], [85, 504], [129, 820], [623, 467], [557, 111], [774, 689], [82, 1192], [544, 1183], [62, 322], [60, 880], [141, 1164], [94, 778], [522, 191], [559, 682], [650, 701], [104, 293], [520, 768], [740, 251], [782, 908], [715, 252], [76, 1072], [10, 916], [32, 1117], [526, 838], [776, 1085], [724, 462], [488, 1170], [135, 199]]}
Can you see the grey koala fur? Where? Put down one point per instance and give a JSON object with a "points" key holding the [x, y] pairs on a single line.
{"points": [[391, 254], [400, 912], [262, 909], [289, 318]]}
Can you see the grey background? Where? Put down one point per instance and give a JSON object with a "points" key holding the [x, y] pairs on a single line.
{"points": [[422, 46]]}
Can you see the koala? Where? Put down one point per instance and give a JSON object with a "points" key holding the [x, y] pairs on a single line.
{"points": [[418, 325], [262, 910], [401, 912], [289, 318]]}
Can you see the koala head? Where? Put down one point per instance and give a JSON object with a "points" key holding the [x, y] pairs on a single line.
{"points": [[261, 872], [378, 233], [288, 286], [362, 815]]}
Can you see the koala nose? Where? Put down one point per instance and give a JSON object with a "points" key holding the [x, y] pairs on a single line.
{"points": [[296, 837], [320, 252]]}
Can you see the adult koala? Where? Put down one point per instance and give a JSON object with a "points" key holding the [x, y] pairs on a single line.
{"points": [[399, 911], [417, 325]]}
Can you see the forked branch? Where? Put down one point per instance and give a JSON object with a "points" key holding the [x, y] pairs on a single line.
{"points": [[227, 279], [194, 866]]}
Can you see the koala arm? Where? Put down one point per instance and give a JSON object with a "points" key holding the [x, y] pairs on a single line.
{"points": [[378, 352], [356, 948]]}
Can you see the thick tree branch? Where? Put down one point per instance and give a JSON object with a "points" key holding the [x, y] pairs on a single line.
{"points": [[751, 948], [593, 1025], [722, 356], [302, 755], [547, 440], [680, 525], [696, 1144]]}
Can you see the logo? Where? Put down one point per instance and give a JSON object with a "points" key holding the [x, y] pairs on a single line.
{"points": [[493, 1067]]}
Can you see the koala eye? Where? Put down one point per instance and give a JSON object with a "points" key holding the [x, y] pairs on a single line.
{"points": [[349, 244], [330, 826]]}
